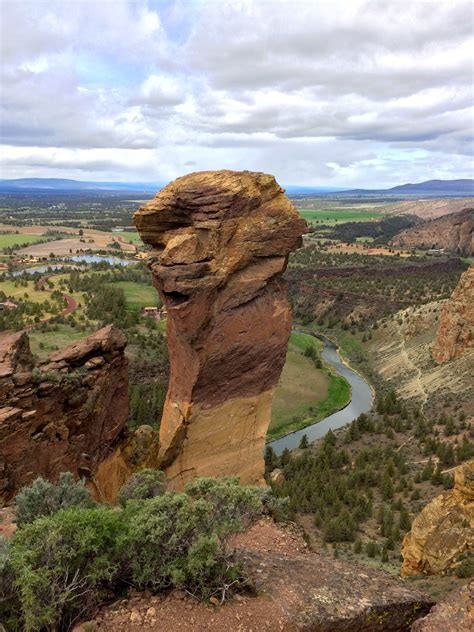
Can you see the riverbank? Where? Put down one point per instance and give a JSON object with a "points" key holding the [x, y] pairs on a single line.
{"points": [[309, 389], [360, 402]]}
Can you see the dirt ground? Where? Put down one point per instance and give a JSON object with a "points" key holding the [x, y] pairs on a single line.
{"points": [[180, 612], [93, 239]]}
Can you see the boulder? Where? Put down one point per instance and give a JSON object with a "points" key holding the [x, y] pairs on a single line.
{"points": [[221, 242], [454, 613], [444, 530]]}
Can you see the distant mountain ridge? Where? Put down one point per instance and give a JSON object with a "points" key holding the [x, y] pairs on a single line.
{"points": [[64, 184], [460, 187], [430, 188]]}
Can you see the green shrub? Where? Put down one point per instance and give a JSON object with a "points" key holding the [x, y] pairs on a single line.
{"points": [[232, 506], [43, 498], [142, 485], [466, 567], [62, 564], [9, 606], [171, 541]]}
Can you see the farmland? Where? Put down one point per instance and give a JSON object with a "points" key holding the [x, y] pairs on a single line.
{"points": [[331, 217]]}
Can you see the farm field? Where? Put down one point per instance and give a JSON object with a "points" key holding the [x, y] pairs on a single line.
{"points": [[332, 217], [13, 239], [138, 295], [130, 237], [42, 343]]}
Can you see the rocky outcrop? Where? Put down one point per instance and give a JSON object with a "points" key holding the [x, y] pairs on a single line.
{"points": [[444, 530], [455, 613], [291, 589], [454, 232], [456, 330], [63, 413], [221, 242]]}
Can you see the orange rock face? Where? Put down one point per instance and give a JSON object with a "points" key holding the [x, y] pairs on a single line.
{"points": [[221, 242], [62, 414], [444, 530], [456, 330]]}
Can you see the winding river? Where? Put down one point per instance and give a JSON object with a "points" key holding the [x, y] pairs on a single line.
{"points": [[361, 402]]}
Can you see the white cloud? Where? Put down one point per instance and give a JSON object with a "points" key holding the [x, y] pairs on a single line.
{"points": [[356, 93]]}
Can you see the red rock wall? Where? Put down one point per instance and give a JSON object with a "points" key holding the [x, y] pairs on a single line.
{"points": [[62, 414], [455, 335], [221, 241]]}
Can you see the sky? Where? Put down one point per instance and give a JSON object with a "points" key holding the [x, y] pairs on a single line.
{"points": [[318, 93]]}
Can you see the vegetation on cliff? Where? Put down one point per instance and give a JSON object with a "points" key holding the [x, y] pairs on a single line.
{"points": [[58, 567]]}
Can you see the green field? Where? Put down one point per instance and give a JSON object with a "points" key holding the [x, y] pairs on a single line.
{"points": [[130, 236], [12, 239], [44, 343], [138, 295], [19, 292], [339, 216], [305, 394]]}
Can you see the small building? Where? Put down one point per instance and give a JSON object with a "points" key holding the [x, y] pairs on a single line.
{"points": [[156, 313], [7, 305]]}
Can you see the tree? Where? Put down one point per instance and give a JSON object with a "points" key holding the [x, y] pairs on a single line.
{"points": [[304, 443]]}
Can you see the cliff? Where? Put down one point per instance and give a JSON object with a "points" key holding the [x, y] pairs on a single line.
{"points": [[453, 232], [455, 335], [444, 530], [454, 613], [61, 414], [221, 242]]}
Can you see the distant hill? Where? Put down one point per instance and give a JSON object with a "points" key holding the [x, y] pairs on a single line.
{"points": [[430, 209], [429, 188], [454, 233], [63, 184]]}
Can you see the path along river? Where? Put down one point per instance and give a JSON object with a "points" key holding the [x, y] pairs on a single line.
{"points": [[361, 402]]}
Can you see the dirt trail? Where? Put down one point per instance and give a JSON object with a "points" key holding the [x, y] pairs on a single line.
{"points": [[71, 303]]}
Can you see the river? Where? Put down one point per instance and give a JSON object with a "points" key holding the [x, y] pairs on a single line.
{"points": [[361, 402]]}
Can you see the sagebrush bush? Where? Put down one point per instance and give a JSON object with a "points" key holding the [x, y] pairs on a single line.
{"points": [[43, 498], [142, 485], [63, 563], [60, 565], [9, 606], [232, 506]]}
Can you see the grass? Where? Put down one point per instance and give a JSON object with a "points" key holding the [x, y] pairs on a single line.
{"points": [[44, 343], [12, 239], [339, 216], [130, 236], [305, 394], [18, 292], [138, 295]]}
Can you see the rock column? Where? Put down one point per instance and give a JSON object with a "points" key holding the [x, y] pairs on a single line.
{"points": [[221, 242]]}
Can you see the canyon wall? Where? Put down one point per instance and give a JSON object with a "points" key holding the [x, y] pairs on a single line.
{"points": [[61, 414], [455, 335], [454, 232], [221, 242], [444, 530]]}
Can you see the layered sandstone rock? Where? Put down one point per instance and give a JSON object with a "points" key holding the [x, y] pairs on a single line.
{"points": [[456, 330], [61, 414], [454, 613], [221, 241], [454, 232], [444, 530]]}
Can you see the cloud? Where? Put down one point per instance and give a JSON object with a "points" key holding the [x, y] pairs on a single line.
{"points": [[358, 93]]}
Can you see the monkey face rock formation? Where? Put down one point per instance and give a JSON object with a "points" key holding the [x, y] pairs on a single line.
{"points": [[61, 414], [221, 242], [444, 530], [456, 330]]}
